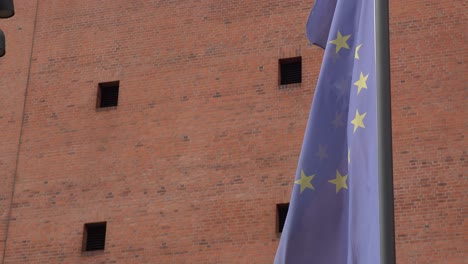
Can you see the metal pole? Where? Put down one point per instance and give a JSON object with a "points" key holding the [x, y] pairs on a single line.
{"points": [[384, 124]]}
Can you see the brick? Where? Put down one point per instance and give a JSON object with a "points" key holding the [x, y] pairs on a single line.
{"points": [[190, 165]]}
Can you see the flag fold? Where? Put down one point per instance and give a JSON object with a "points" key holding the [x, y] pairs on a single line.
{"points": [[333, 215]]}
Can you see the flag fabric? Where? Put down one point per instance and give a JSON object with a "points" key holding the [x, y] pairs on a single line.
{"points": [[333, 214]]}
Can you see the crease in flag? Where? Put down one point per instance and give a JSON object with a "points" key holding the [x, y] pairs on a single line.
{"points": [[333, 215]]}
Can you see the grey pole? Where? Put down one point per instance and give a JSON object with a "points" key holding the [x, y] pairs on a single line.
{"points": [[384, 124]]}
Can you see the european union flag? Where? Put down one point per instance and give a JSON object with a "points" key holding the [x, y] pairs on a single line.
{"points": [[334, 210]]}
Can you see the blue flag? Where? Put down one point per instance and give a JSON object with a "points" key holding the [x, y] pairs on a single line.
{"points": [[333, 215]]}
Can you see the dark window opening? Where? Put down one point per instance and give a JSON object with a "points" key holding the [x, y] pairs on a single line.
{"points": [[290, 70], [108, 94], [282, 212], [94, 236]]}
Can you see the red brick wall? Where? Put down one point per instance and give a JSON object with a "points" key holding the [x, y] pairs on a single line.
{"points": [[203, 144], [429, 81], [13, 81]]}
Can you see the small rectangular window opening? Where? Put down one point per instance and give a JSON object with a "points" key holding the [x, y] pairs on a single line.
{"points": [[108, 94], [281, 212], [94, 236], [290, 70]]}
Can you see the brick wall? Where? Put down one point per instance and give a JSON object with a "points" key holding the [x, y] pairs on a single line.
{"points": [[13, 81], [429, 125], [203, 144]]}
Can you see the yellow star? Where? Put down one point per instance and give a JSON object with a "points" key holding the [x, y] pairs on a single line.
{"points": [[356, 53], [338, 122], [305, 181], [358, 121], [361, 83], [322, 153], [340, 42], [339, 181]]}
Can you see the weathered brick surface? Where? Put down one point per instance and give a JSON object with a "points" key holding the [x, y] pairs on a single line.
{"points": [[13, 81], [429, 124], [203, 144]]}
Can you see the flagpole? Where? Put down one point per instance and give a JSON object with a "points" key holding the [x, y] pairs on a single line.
{"points": [[384, 124]]}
